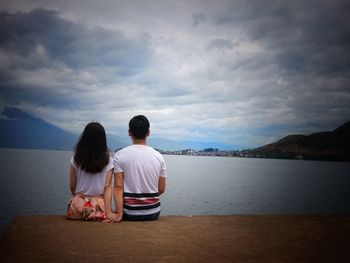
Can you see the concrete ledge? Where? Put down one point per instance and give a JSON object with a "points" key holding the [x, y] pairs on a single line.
{"points": [[262, 238]]}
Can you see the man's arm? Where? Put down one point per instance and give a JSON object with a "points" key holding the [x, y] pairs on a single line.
{"points": [[161, 185], [118, 194], [72, 179]]}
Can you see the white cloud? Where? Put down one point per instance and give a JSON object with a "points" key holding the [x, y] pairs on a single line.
{"points": [[222, 71]]}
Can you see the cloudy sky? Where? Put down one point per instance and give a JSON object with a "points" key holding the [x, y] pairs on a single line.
{"points": [[235, 72]]}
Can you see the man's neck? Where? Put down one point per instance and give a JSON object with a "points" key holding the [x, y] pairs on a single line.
{"points": [[139, 142]]}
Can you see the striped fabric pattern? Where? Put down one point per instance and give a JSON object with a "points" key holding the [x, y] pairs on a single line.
{"points": [[141, 203]]}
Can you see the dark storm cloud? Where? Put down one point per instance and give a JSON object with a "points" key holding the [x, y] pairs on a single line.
{"points": [[305, 36], [41, 41], [221, 43], [68, 42], [198, 18]]}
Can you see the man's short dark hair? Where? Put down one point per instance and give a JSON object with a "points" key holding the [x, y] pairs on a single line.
{"points": [[139, 127]]}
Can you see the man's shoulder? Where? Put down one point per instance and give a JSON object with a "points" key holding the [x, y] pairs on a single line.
{"points": [[151, 149], [156, 153], [128, 150], [138, 150], [121, 150]]}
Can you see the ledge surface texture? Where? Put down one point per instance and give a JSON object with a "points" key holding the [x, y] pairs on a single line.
{"points": [[256, 238]]}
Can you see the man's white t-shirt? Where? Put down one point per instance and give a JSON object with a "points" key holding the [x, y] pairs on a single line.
{"points": [[91, 183], [142, 166]]}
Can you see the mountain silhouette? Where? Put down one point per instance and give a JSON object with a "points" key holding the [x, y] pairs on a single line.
{"points": [[19, 129], [333, 145]]}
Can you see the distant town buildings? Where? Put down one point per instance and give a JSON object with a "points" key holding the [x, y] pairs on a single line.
{"points": [[248, 153], [204, 152]]}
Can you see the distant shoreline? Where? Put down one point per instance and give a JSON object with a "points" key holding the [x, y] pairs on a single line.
{"points": [[265, 158], [245, 154]]}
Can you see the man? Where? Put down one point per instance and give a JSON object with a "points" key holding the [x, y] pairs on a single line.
{"points": [[139, 175]]}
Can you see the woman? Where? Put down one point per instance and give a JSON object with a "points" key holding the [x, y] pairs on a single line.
{"points": [[91, 177]]}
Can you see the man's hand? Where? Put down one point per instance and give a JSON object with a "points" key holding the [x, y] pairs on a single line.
{"points": [[119, 218], [113, 218]]}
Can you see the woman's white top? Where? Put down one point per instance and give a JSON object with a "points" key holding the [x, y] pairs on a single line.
{"points": [[91, 183]]}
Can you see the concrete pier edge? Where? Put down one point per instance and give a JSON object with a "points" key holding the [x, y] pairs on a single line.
{"points": [[234, 238]]}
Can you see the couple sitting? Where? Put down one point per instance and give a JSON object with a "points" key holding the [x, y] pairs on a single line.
{"points": [[139, 174]]}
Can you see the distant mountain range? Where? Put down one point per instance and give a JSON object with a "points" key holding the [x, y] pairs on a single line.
{"points": [[19, 129], [333, 145]]}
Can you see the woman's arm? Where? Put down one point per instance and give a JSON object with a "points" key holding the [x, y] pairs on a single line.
{"points": [[107, 196], [118, 194], [72, 179]]}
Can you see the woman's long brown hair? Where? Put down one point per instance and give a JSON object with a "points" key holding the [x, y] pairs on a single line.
{"points": [[91, 152]]}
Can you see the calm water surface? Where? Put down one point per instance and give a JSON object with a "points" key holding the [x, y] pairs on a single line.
{"points": [[36, 182]]}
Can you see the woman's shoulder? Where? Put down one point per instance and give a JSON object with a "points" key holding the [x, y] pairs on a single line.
{"points": [[72, 162], [109, 166]]}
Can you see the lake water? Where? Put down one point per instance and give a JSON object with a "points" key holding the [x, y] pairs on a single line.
{"points": [[36, 182]]}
